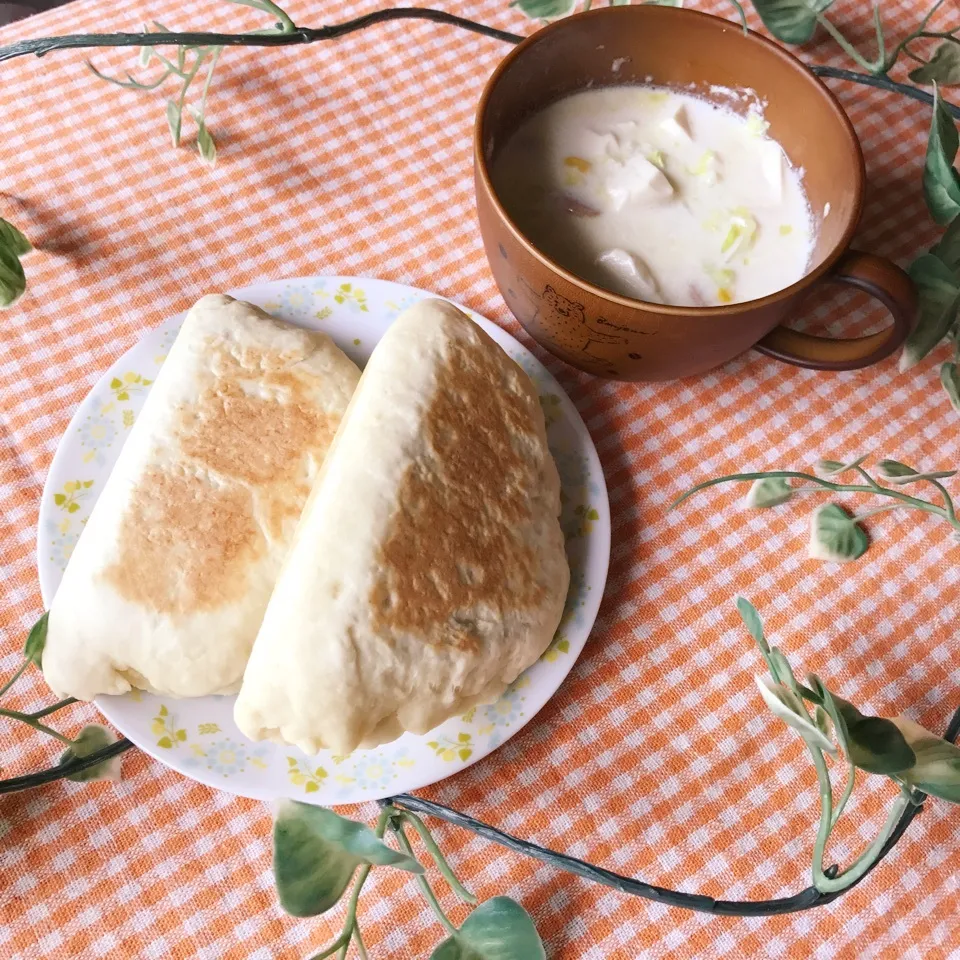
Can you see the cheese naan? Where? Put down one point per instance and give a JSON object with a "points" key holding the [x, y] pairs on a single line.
{"points": [[168, 583], [428, 570]]}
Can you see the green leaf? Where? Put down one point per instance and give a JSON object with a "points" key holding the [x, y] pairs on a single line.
{"points": [[92, 738], [941, 183], [768, 492], [951, 383], [59, 499], [783, 670], [499, 929], [937, 767], [943, 68], [748, 613], [894, 469], [36, 641], [13, 239], [822, 720], [835, 535], [13, 281], [206, 144], [948, 249], [831, 712], [315, 853], [174, 121], [792, 21], [874, 744], [785, 704], [545, 9], [899, 473], [165, 742], [146, 55], [939, 292], [831, 468]]}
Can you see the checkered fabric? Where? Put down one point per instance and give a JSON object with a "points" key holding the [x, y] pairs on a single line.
{"points": [[656, 758]]}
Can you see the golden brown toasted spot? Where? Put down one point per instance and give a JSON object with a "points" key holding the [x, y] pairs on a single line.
{"points": [[455, 544], [284, 504], [236, 431], [185, 545], [187, 541]]}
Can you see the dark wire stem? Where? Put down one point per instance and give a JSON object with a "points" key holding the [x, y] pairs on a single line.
{"points": [[805, 900], [44, 45], [301, 35], [61, 770], [868, 80]]}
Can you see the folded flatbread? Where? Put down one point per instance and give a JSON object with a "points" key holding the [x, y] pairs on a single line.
{"points": [[168, 583], [428, 570]]}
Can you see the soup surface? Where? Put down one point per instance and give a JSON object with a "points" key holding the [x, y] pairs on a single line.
{"points": [[658, 195]]}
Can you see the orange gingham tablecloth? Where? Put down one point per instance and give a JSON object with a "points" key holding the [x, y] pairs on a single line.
{"points": [[656, 758]]}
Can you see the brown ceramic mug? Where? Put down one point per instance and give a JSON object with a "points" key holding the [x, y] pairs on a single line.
{"points": [[614, 336]]}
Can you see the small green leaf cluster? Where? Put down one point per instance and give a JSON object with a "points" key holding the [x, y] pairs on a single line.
{"points": [[917, 761], [796, 21], [937, 272], [89, 741], [836, 534], [316, 853], [189, 63]]}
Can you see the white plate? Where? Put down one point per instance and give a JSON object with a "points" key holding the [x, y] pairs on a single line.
{"points": [[198, 737]]}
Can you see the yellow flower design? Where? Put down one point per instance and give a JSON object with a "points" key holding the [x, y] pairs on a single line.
{"points": [[122, 387], [73, 493], [448, 750], [300, 775], [559, 645], [164, 726], [584, 518], [550, 404], [348, 294]]}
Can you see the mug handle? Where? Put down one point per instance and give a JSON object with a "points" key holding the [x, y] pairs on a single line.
{"points": [[884, 281]]}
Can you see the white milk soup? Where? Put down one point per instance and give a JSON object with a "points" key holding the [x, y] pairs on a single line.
{"points": [[658, 195]]}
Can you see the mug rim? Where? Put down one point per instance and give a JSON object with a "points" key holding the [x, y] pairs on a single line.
{"points": [[672, 310]]}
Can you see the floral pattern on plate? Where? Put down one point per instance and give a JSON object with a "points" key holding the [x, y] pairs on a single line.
{"points": [[198, 737]]}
